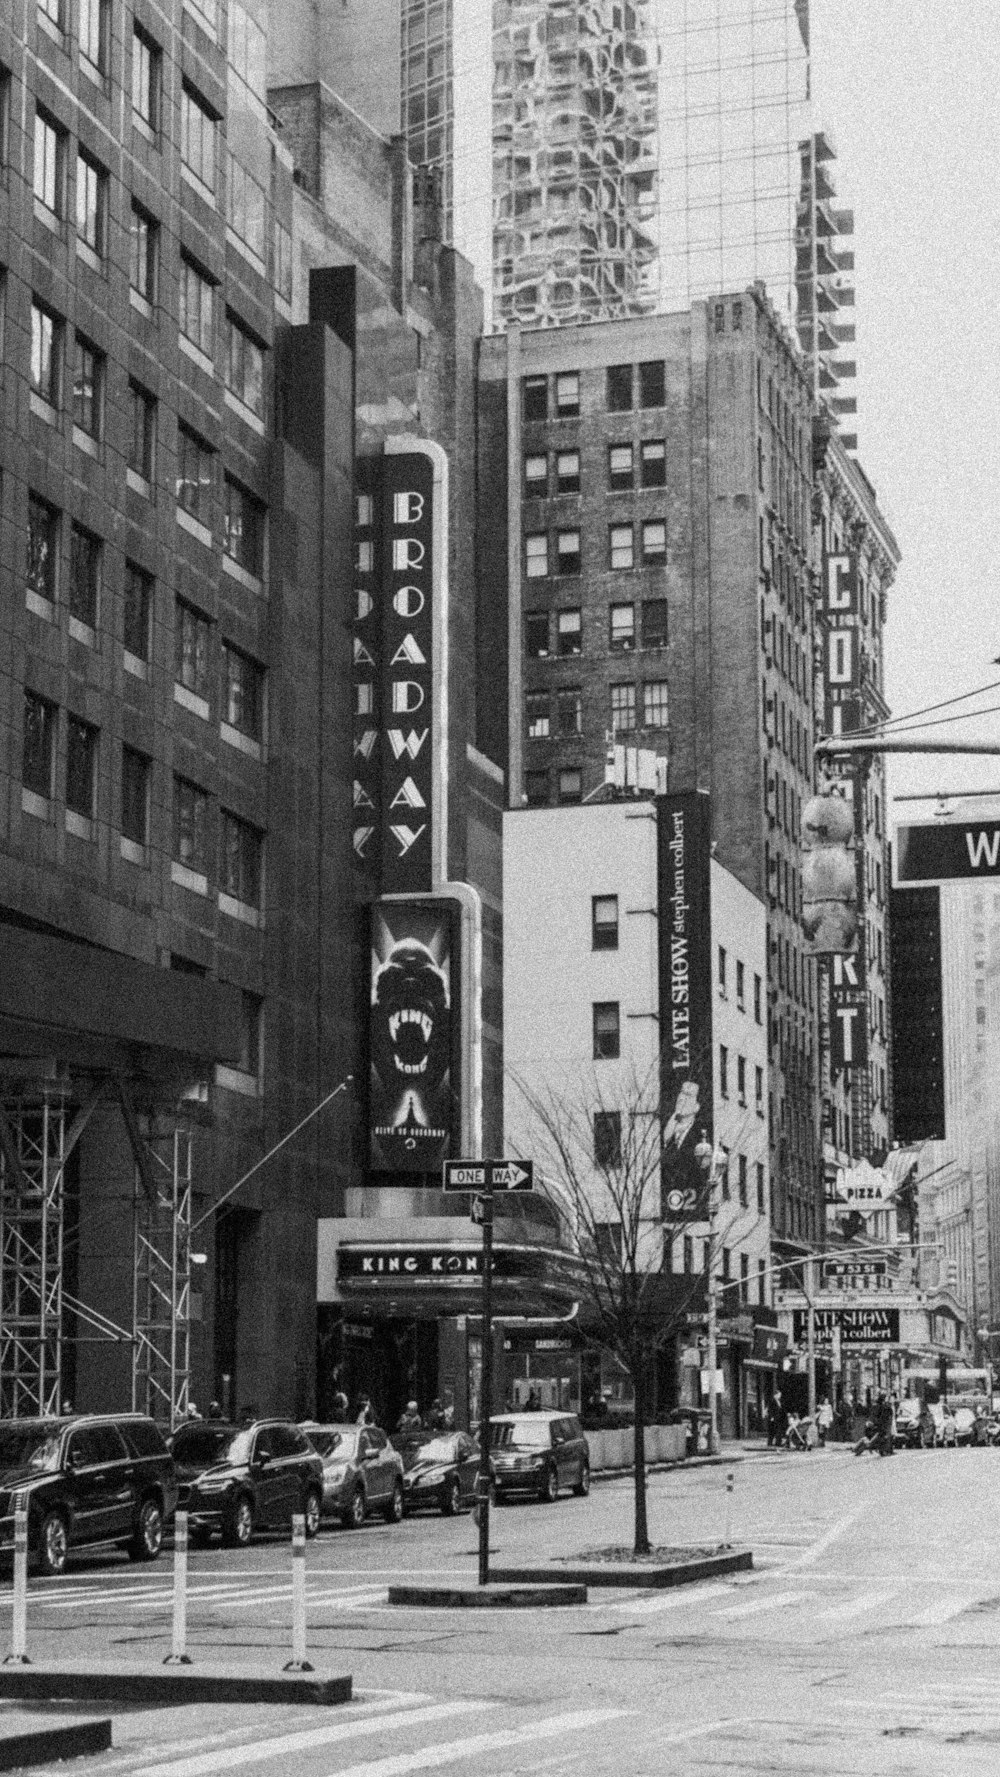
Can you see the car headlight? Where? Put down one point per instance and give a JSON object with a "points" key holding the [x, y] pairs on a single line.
{"points": [[212, 1486], [431, 1477], [334, 1476]]}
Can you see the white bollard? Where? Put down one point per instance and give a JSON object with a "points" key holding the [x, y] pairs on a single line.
{"points": [[18, 1655], [298, 1661], [178, 1655]]}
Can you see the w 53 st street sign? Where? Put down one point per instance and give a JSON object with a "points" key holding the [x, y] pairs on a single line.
{"points": [[945, 851]]}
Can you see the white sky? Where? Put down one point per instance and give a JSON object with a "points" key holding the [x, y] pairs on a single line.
{"points": [[910, 94]]}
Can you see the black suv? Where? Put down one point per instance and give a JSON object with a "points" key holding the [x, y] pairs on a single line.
{"points": [[86, 1480], [537, 1452], [238, 1478]]}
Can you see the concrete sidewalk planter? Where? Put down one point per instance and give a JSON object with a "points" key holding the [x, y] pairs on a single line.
{"points": [[613, 1447], [620, 1567]]}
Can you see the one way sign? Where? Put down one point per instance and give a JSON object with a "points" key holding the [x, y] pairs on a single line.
{"points": [[488, 1175]]}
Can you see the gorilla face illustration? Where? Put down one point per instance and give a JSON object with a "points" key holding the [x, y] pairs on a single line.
{"points": [[411, 1034]]}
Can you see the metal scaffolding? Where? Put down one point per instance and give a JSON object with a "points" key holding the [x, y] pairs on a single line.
{"points": [[34, 1147], [161, 1299]]}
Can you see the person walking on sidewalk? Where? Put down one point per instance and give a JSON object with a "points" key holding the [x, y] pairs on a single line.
{"points": [[777, 1420], [824, 1420]]}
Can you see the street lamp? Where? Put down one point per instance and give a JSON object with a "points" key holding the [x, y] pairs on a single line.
{"points": [[710, 1161]]}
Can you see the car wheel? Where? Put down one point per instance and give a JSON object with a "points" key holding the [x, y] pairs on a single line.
{"points": [[53, 1544], [148, 1539], [549, 1490], [312, 1511], [394, 1507], [237, 1528], [354, 1516], [450, 1496], [582, 1487]]}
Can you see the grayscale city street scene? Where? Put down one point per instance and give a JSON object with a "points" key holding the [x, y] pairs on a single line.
{"points": [[499, 888]]}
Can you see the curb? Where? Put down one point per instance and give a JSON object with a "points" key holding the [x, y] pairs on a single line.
{"points": [[608, 1573], [106, 1683], [498, 1595], [42, 1743], [663, 1468]]}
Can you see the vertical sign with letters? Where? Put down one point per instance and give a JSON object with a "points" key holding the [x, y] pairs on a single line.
{"points": [[687, 1070], [848, 1016], [842, 662]]}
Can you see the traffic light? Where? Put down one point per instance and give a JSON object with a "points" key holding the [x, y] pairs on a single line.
{"points": [[829, 876]]}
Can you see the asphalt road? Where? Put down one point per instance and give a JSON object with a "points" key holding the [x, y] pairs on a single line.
{"points": [[866, 1641]]}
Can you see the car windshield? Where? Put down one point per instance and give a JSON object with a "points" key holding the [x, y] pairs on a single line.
{"points": [[437, 1450], [201, 1446], [520, 1434], [341, 1443], [29, 1446]]}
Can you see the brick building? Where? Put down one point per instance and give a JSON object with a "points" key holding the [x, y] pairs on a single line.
{"points": [[646, 573]]}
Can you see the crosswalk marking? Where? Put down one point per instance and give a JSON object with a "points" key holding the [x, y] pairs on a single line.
{"points": [[373, 1721], [943, 1610], [855, 1607], [448, 1751], [673, 1600], [776, 1600]]}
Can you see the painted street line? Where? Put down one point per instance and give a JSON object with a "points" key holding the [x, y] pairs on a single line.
{"points": [[830, 1536], [448, 1751], [944, 1610], [855, 1607], [696, 1732], [286, 1745], [664, 1601], [775, 1602]]}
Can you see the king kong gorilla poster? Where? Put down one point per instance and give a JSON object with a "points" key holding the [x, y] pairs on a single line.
{"points": [[414, 1026]]}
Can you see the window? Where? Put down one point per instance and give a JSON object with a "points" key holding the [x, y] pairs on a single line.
{"points": [[88, 387], [654, 540], [43, 548], [568, 472], [723, 1070], [536, 789], [621, 474], [197, 139], [81, 767], [567, 552], [196, 307], [536, 476], [247, 47], [741, 1079], [760, 1191], [40, 719], [195, 475], [567, 395], [743, 1188], [54, 11], [653, 463], [143, 436], [569, 710], [46, 354], [621, 633], [191, 642], [758, 990], [654, 704], [242, 693], [244, 367], [723, 965], [135, 797], [622, 709], [49, 182], [654, 623], [536, 556], [570, 784], [535, 397], [250, 1034], [143, 246], [536, 713], [759, 1090], [246, 207], [740, 986], [243, 529], [190, 845], [283, 261], [145, 80], [607, 1037], [94, 33], [569, 632], [604, 922], [84, 576], [607, 1138], [138, 599], [620, 546], [652, 385], [536, 635], [241, 855], [5, 90], [619, 388], [761, 1282], [91, 204], [744, 1262]]}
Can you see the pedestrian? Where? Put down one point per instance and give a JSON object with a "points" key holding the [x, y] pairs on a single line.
{"points": [[339, 1415], [435, 1416], [883, 1425], [777, 1420], [192, 1411], [214, 1410], [533, 1402], [410, 1422], [824, 1420], [365, 1414]]}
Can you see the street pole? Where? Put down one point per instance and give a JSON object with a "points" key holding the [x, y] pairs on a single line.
{"points": [[486, 1389], [810, 1295], [713, 1404]]}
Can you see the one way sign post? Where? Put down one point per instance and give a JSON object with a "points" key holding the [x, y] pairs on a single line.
{"points": [[488, 1175]]}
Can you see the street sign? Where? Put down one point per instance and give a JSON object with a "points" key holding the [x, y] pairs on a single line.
{"points": [[487, 1175], [945, 851]]}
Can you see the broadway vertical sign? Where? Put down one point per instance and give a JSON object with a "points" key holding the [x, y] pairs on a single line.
{"points": [[684, 833]]}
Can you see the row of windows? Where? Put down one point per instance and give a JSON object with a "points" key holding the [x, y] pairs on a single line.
{"points": [[626, 386], [539, 642], [741, 1079], [559, 471], [739, 984], [567, 702], [564, 551], [568, 781], [240, 845]]}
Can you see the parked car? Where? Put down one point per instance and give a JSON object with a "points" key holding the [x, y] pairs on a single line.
{"points": [[361, 1471], [971, 1426], [442, 1473], [236, 1479], [915, 1427], [944, 1424], [87, 1480], [539, 1453]]}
